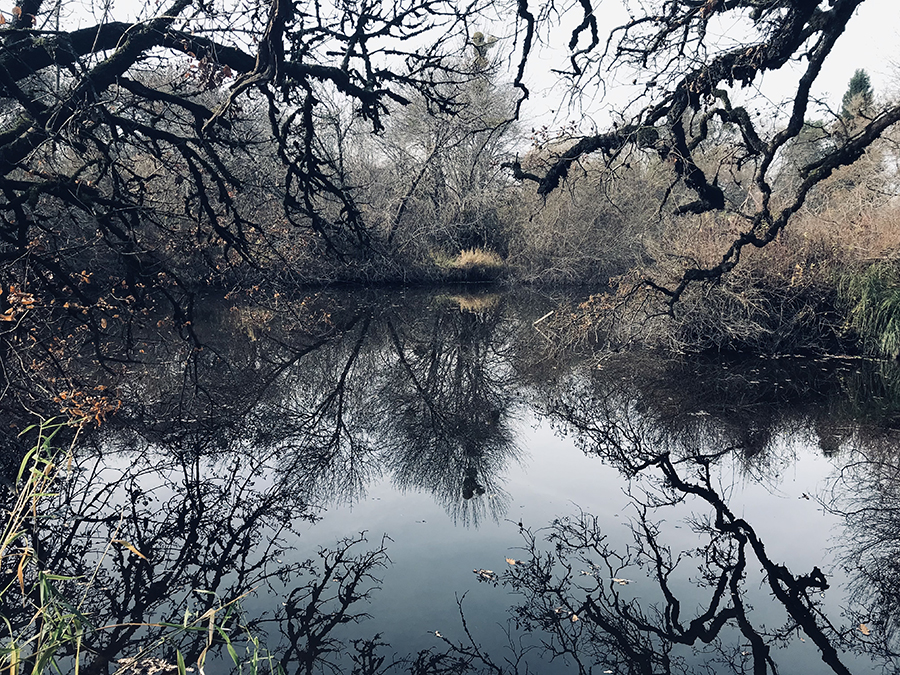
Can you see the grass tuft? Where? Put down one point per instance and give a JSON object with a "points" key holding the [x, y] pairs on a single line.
{"points": [[473, 264], [872, 298]]}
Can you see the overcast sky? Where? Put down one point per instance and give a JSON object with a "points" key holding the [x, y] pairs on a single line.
{"points": [[871, 42]]}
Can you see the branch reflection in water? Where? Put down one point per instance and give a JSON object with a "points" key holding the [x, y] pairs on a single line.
{"points": [[215, 470]]}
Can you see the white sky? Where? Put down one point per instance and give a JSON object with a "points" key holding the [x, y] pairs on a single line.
{"points": [[871, 42]]}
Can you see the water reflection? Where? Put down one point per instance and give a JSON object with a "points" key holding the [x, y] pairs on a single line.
{"points": [[631, 408], [578, 591], [340, 396], [865, 495], [225, 450], [447, 401], [184, 532]]}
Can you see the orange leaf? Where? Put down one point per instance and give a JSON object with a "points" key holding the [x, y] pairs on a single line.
{"points": [[2, 19], [130, 547], [864, 629], [17, 11]]}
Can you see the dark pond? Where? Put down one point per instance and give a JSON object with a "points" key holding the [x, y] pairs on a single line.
{"points": [[427, 484]]}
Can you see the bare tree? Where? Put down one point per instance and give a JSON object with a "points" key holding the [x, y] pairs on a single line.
{"points": [[687, 80], [198, 133]]}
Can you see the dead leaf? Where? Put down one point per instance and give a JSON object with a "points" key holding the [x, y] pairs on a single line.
{"points": [[864, 629], [622, 582], [20, 573], [130, 547], [574, 618], [17, 11], [512, 561]]}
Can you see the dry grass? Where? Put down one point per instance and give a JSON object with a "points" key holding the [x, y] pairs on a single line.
{"points": [[474, 264], [780, 298], [594, 226]]}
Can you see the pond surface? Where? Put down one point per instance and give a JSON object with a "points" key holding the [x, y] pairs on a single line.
{"points": [[426, 483]]}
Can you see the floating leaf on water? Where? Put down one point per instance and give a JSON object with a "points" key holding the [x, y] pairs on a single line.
{"points": [[864, 629], [437, 633], [622, 582], [574, 618], [513, 561], [486, 574], [130, 547]]}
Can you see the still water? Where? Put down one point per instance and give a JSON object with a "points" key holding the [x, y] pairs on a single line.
{"points": [[431, 484]]}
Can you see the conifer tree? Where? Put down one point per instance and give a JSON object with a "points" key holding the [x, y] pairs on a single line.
{"points": [[858, 96]]}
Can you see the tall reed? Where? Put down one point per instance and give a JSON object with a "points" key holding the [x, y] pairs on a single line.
{"points": [[872, 299], [55, 621]]}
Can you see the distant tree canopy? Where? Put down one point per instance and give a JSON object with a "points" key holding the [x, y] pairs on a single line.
{"points": [[206, 131]]}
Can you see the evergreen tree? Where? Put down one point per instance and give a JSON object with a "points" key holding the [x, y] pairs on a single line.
{"points": [[858, 95]]}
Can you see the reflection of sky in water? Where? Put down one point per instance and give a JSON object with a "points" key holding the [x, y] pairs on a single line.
{"points": [[382, 427], [434, 558]]}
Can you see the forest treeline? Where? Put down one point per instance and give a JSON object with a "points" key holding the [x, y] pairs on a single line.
{"points": [[443, 206], [149, 159]]}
